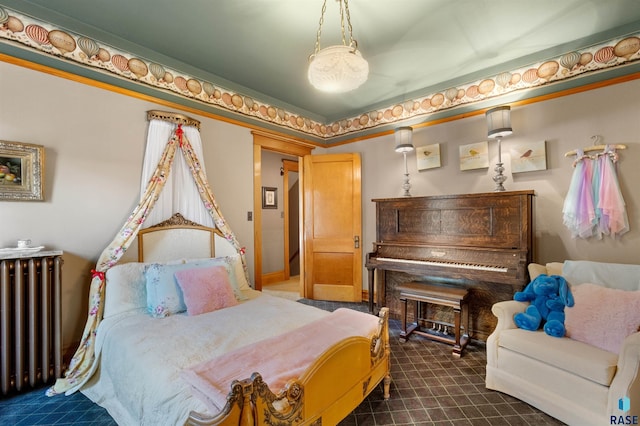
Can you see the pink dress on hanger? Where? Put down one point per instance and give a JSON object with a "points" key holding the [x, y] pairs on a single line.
{"points": [[610, 204], [579, 211]]}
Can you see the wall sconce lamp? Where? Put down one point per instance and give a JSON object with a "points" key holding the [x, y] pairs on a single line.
{"points": [[404, 145], [499, 126]]}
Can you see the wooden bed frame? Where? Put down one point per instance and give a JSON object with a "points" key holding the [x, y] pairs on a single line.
{"points": [[331, 388], [337, 382]]}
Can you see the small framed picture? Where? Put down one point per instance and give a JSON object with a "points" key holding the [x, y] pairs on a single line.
{"points": [[21, 171], [428, 156], [269, 198], [528, 156], [474, 156]]}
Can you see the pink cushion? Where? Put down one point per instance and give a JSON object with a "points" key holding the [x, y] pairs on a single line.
{"points": [[602, 317], [205, 289]]}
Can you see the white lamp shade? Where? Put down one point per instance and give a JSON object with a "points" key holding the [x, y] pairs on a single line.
{"points": [[338, 69], [404, 139], [499, 122]]}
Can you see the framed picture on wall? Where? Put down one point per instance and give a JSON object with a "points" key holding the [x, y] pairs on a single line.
{"points": [[474, 156], [269, 197], [528, 156], [21, 170], [428, 156]]}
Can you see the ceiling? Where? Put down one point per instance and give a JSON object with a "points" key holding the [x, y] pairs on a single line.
{"points": [[260, 48]]}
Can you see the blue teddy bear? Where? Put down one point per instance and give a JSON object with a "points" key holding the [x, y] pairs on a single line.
{"points": [[548, 296]]}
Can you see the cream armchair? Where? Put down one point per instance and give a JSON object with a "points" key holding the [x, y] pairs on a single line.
{"points": [[572, 381]]}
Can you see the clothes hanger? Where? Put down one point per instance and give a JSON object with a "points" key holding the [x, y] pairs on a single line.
{"points": [[595, 147]]}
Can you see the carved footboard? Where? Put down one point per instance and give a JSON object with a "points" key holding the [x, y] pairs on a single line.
{"points": [[332, 387]]}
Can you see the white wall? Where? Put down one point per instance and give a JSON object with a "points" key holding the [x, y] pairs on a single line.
{"points": [[94, 143], [565, 123]]}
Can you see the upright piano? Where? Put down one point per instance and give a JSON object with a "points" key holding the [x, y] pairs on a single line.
{"points": [[482, 242]]}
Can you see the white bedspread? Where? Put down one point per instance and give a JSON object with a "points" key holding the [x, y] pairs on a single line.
{"points": [[138, 380]]}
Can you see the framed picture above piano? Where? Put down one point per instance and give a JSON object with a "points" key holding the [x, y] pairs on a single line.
{"points": [[428, 156], [528, 156], [474, 156]]}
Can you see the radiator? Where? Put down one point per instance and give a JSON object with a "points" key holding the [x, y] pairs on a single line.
{"points": [[30, 322]]}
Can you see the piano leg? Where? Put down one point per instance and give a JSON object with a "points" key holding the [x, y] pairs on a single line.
{"points": [[376, 296], [462, 339], [371, 289], [457, 348], [381, 284]]}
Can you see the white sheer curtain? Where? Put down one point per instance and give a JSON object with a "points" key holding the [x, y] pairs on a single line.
{"points": [[180, 194]]}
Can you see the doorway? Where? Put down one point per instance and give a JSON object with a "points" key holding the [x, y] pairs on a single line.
{"points": [[289, 285], [291, 194], [280, 233], [266, 142]]}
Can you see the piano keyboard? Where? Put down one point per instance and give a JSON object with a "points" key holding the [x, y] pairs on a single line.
{"points": [[446, 264]]}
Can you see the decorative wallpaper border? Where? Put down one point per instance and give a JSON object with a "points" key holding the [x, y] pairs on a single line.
{"points": [[36, 34]]}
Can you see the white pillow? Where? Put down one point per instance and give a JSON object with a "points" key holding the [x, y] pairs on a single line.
{"points": [[612, 275], [552, 268], [125, 289], [240, 276]]}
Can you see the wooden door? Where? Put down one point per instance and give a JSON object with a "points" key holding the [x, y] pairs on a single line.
{"points": [[332, 222]]}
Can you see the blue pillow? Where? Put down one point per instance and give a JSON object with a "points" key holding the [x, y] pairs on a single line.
{"points": [[164, 296]]}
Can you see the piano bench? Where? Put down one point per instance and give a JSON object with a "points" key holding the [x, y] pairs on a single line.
{"points": [[454, 297]]}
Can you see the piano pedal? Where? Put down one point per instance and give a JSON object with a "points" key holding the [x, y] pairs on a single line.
{"points": [[440, 328]]}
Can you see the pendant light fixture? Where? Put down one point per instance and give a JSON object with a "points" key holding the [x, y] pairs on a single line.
{"points": [[339, 68]]}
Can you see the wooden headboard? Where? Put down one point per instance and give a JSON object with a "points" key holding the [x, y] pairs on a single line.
{"points": [[180, 238]]}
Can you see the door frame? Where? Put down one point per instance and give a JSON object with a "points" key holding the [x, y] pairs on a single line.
{"points": [[276, 143]]}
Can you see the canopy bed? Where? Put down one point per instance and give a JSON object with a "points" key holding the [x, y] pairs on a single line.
{"points": [[226, 366], [179, 336]]}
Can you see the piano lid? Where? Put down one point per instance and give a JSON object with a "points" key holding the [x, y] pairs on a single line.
{"points": [[497, 220]]}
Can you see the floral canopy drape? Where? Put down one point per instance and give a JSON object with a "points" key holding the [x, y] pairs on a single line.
{"points": [[86, 359], [594, 205]]}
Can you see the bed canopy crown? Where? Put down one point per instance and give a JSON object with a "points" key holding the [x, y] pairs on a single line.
{"points": [[172, 117]]}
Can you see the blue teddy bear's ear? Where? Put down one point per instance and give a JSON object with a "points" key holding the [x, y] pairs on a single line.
{"points": [[565, 291]]}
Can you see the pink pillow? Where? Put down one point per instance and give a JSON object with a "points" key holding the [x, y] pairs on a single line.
{"points": [[601, 316], [205, 289]]}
